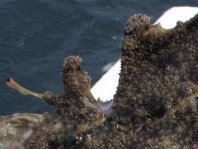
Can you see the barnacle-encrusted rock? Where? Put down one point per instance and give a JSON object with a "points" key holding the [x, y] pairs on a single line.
{"points": [[155, 105], [157, 89], [76, 105], [76, 111]]}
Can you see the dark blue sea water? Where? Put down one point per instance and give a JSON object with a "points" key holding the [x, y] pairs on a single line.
{"points": [[36, 35]]}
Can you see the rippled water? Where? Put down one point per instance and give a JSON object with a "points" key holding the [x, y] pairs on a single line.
{"points": [[36, 35]]}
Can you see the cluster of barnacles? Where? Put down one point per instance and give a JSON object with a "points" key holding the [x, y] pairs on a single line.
{"points": [[155, 105], [76, 110]]}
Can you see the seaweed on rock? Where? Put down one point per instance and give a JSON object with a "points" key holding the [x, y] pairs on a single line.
{"points": [[155, 105]]}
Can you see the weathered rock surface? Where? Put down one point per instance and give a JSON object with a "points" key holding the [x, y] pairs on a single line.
{"points": [[154, 107], [158, 87]]}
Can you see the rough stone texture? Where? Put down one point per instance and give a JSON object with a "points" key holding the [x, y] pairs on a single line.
{"points": [[155, 105], [158, 84]]}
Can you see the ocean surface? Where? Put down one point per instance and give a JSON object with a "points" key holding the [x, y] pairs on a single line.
{"points": [[36, 36]]}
